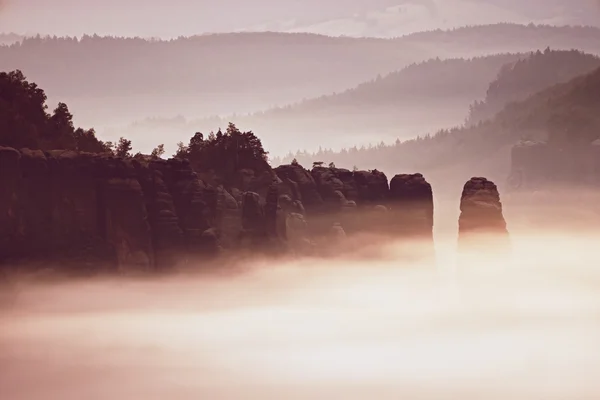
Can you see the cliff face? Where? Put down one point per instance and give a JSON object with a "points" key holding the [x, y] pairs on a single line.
{"points": [[77, 209], [363, 201], [74, 205], [89, 213]]}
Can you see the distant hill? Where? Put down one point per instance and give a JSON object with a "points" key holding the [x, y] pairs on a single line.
{"points": [[406, 16], [516, 81], [565, 113], [424, 96], [117, 80], [359, 18], [9, 38]]}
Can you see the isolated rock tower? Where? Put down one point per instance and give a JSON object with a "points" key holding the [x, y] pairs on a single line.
{"points": [[481, 225]]}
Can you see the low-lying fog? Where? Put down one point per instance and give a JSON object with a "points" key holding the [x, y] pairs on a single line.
{"points": [[524, 328]]}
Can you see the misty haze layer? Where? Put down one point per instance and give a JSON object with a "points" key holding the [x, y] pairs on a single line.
{"points": [[298, 330], [383, 18], [240, 73], [370, 317]]}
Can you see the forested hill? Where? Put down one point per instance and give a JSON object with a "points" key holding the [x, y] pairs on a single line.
{"points": [[7, 39], [106, 78], [423, 82], [424, 96], [517, 81], [566, 113], [580, 37]]}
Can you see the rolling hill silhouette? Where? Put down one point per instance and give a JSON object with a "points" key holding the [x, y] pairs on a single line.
{"points": [[245, 72]]}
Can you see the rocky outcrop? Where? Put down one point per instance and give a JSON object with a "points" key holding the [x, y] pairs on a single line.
{"points": [[10, 183], [93, 212], [75, 209], [481, 222], [264, 227], [298, 235], [197, 205], [338, 186], [355, 200], [372, 187], [253, 215], [299, 185], [167, 234], [98, 212], [411, 202], [271, 211], [253, 235]]}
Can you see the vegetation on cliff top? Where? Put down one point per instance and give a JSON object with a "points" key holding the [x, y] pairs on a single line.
{"points": [[565, 114], [25, 122], [225, 153]]}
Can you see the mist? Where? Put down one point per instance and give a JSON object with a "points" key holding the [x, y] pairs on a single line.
{"points": [[522, 328], [382, 18], [233, 270]]}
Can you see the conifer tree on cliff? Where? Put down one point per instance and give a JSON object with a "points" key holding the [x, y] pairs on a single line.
{"points": [[25, 122], [225, 153]]}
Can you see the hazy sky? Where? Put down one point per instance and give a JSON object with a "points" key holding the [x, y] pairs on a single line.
{"points": [[169, 18]]}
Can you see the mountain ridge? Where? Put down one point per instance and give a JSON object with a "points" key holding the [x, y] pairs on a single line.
{"points": [[386, 18], [564, 113], [244, 73], [444, 87]]}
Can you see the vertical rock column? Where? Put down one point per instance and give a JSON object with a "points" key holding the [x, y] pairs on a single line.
{"points": [[271, 207], [411, 200], [481, 225], [411, 213], [275, 221], [254, 232], [167, 236], [123, 215]]}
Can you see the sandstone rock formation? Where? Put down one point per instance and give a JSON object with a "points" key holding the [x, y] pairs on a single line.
{"points": [[167, 234], [64, 205], [411, 201], [355, 199], [263, 225], [339, 185], [299, 185], [271, 211], [94, 212], [253, 218], [481, 222]]}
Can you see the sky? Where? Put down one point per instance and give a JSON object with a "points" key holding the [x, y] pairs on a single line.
{"points": [[167, 18], [171, 18]]}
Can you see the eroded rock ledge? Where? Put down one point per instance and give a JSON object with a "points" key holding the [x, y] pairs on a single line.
{"points": [[88, 212]]}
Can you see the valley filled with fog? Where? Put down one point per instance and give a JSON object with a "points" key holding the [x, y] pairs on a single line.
{"points": [[291, 200], [523, 329]]}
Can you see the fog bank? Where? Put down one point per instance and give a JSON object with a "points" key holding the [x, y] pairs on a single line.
{"points": [[521, 329]]}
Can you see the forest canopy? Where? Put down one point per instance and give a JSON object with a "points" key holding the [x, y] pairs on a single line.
{"points": [[225, 152], [25, 122], [565, 115]]}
